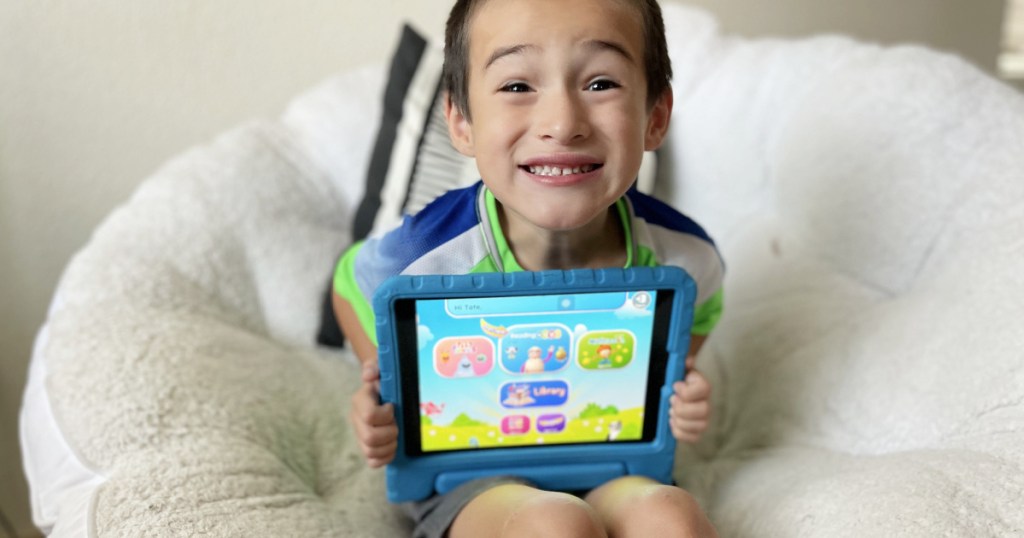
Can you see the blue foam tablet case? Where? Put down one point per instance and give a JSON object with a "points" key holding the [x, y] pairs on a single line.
{"points": [[567, 467]]}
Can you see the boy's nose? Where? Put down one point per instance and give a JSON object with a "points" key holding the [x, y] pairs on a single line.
{"points": [[562, 118]]}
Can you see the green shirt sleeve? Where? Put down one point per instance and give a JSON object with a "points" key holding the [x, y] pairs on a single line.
{"points": [[707, 314], [346, 287]]}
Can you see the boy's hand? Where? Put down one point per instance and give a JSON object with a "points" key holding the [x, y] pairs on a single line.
{"points": [[690, 405], [374, 423]]}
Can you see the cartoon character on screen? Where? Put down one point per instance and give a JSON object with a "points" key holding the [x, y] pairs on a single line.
{"points": [[464, 358], [534, 364], [462, 351], [429, 409], [604, 351], [614, 430], [518, 396]]}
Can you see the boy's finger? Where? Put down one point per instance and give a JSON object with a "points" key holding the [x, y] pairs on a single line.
{"points": [[378, 451], [379, 462], [366, 396], [685, 437], [684, 432], [380, 458], [370, 372], [380, 415], [692, 411], [367, 410], [377, 441], [377, 436], [694, 387], [372, 438], [695, 427]]}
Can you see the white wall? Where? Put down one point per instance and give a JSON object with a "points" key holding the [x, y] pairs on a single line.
{"points": [[972, 28], [95, 95]]}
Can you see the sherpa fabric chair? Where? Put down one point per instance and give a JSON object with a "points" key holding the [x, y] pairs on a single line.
{"points": [[868, 373]]}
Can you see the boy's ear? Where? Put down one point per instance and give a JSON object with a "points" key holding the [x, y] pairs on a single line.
{"points": [[459, 129], [658, 120]]}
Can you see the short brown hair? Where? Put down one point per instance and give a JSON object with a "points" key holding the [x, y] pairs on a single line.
{"points": [[455, 75]]}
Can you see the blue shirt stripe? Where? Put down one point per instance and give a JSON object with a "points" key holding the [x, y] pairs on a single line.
{"points": [[659, 213]]}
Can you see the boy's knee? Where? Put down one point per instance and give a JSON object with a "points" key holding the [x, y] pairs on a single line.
{"points": [[661, 507], [556, 515], [658, 497]]}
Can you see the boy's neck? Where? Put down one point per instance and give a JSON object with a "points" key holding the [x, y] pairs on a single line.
{"points": [[600, 243]]}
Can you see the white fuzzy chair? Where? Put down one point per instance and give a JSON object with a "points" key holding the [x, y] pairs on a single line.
{"points": [[868, 372]]}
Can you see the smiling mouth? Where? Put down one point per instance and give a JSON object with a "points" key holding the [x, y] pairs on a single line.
{"points": [[558, 171]]}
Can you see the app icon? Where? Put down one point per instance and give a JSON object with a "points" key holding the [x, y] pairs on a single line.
{"points": [[602, 350], [533, 394], [535, 349], [464, 356], [553, 423], [515, 425]]}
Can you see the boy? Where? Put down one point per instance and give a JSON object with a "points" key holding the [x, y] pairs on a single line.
{"points": [[557, 101]]}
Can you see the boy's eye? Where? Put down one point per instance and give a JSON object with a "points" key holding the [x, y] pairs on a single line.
{"points": [[601, 85], [515, 87]]}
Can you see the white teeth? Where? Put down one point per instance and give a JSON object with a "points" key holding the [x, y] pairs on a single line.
{"points": [[558, 171]]}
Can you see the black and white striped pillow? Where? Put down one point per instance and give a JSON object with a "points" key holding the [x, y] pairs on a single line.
{"points": [[413, 161]]}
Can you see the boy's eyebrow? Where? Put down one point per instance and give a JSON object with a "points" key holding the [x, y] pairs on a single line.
{"points": [[501, 52], [600, 44], [594, 44]]}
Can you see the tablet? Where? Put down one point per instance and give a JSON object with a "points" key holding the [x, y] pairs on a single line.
{"points": [[560, 377]]}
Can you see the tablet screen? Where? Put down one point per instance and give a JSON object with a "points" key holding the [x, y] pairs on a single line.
{"points": [[519, 371]]}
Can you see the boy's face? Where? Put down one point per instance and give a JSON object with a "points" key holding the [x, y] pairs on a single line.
{"points": [[558, 100]]}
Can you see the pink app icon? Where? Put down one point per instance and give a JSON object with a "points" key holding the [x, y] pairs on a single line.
{"points": [[515, 425], [464, 356]]}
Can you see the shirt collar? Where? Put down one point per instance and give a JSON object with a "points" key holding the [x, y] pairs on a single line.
{"points": [[497, 246]]}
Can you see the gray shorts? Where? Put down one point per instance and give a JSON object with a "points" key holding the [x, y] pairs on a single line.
{"points": [[435, 515]]}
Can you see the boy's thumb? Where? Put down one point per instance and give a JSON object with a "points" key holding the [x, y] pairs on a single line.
{"points": [[370, 372]]}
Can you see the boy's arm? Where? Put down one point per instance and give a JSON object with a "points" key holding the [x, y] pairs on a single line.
{"points": [[374, 423], [353, 330], [696, 342]]}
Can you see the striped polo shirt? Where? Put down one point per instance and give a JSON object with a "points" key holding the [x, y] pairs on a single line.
{"points": [[459, 233]]}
